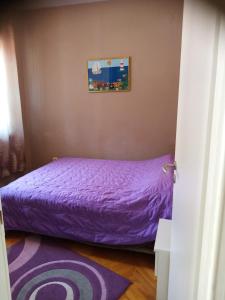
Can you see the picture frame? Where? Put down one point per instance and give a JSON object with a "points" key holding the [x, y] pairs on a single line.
{"points": [[109, 74]]}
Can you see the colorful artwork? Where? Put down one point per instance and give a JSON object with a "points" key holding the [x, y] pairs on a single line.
{"points": [[109, 74]]}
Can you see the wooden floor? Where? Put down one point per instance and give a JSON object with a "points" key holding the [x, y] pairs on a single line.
{"points": [[137, 267]]}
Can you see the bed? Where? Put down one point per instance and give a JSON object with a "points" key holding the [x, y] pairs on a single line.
{"points": [[107, 202]]}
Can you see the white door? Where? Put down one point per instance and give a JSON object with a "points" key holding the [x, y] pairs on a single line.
{"points": [[4, 273], [196, 112]]}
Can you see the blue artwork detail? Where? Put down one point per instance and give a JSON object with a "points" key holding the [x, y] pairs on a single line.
{"points": [[106, 75]]}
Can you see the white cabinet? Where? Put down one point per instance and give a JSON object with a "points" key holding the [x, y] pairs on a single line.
{"points": [[4, 272], [162, 258]]}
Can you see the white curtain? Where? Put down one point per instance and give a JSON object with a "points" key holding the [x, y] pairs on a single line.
{"points": [[11, 127]]}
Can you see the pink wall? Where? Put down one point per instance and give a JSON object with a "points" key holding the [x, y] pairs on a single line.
{"points": [[61, 117]]}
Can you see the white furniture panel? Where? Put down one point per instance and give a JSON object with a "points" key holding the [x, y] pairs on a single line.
{"points": [[162, 258]]}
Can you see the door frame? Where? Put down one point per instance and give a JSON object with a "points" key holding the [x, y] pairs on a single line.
{"points": [[212, 246], [196, 268], [5, 292]]}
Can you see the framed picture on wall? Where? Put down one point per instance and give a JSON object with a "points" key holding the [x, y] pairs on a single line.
{"points": [[109, 74]]}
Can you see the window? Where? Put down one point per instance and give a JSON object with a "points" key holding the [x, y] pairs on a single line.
{"points": [[4, 105]]}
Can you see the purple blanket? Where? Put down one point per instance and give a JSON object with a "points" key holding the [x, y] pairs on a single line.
{"points": [[101, 201]]}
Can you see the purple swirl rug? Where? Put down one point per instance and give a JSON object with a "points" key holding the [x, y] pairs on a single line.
{"points": [[42, 270]]}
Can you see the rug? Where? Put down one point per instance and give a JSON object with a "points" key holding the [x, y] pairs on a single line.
{"points": [[43, 270]]}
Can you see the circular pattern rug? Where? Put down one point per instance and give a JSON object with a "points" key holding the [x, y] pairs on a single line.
{"points": [[43, 270]]}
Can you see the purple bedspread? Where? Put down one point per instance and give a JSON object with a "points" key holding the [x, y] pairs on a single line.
{"points": [[101, 201]]}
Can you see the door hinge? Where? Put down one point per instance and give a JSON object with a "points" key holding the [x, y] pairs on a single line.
{"points": [[168, 166]]}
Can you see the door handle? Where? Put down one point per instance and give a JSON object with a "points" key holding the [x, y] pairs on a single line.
{"points": [[168, 166]]}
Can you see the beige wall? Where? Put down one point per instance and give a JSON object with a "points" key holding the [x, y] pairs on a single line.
{"points": [[61, 117]]}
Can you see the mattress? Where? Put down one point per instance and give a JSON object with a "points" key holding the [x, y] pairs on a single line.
{"points": [[102, 201]]}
